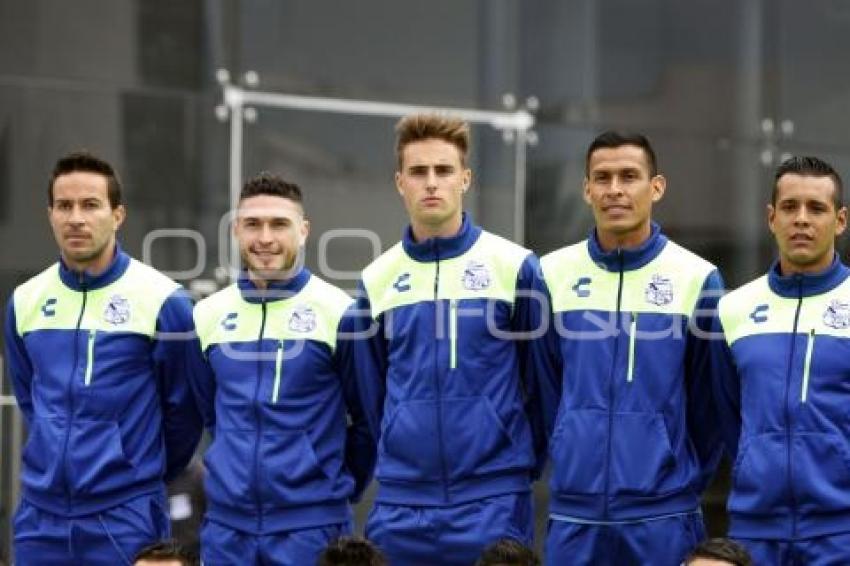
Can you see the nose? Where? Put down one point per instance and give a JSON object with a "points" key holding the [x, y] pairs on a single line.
{"points": [[431, 180], [802, 216], [266, 234], [76, 216]]}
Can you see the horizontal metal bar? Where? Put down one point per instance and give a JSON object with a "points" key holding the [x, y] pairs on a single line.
{"points": [[7, 400], [520, 120]]}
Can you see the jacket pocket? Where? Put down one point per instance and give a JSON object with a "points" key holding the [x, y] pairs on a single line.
{"points": [[759, 476], [98, 464], [578, 452], [41, 458], [289, 471], [409, 448], [821, 472], [641, 456], [229, 462], [477, 441]]}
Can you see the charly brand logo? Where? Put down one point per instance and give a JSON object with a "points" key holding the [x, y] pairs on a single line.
{"points": [[759, 314], [837, 314], [229, 321], [476, 276], [582, 287], [659, 291], [117, 310], [303, 319], [48, 308], [402, 284]]}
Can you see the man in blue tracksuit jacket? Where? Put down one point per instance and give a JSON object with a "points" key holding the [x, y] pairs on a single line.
{"points": [[783, 380], [443, 375], [628, 406], [96, 348], [274, 381]]}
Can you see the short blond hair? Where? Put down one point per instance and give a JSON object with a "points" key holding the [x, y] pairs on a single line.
{"points": [[418, 127]]}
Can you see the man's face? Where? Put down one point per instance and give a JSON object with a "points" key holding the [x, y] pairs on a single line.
{"points": [[709, 562], [270, 231], [83, 222], [432, 181], [804, 222], [621, 190]]}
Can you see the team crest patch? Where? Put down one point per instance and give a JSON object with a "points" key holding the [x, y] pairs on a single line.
{"points": [[659, 291], [476, 276], [837, 314], [303, 319], [117, 310]]}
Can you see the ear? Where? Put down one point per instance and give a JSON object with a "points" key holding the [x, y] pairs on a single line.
{"points": [[841, 221], [586, 192], [771, 218], [466, 178], [398, 186], [659, 186], [303, 232], [119, 213]]}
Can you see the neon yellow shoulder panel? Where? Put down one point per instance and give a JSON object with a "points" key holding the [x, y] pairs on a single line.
{"points": [[130, 304], [755, 309], [487, 270], [312, 314], [669, 284]]}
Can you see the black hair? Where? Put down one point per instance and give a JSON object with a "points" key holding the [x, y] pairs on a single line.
{"points": [[721, 549], [808, 166], [613, 139], [508, 552], [89, 163], [164, 550]]}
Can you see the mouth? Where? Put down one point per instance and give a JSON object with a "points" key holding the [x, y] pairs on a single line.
{"points": [[428, 201], [801, 238], [616, 208]]}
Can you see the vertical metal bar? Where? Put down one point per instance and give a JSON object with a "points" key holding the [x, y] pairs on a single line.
{"points": [[520, 148], [236, 128]]}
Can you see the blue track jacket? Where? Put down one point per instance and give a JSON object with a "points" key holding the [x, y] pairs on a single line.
{"points": [[445, 376], [273, 382], [628, 398], [783, 390], [98, 366]]}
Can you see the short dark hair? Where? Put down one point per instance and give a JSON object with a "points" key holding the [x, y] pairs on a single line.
{"points": [[420, 127], [808, 166], [721, 549], [168, 549], [611, 139], [508, 552], [351, 551], [269, 184], [87, 162]]}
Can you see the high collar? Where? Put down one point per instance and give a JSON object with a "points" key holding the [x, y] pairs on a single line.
{"points": [[434, 249], [807, 284], [85, 281], [627, 258], [276, 291]]}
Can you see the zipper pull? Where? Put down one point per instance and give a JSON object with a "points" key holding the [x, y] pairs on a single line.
{"points": [[632, 342], [278, 365], [807, 365], [90, 357]]}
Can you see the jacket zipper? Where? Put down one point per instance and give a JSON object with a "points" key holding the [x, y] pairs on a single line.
{"points": [[90, 357], [258, 416], [632, 343], [71, 380], [278, 365], [807, 365], [453, 333], [791, 497], [611, 382], [437, 378]]}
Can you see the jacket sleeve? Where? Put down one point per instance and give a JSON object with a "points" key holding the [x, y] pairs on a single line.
{"points": [[726, 389], [181, 421], [19, 367], [360, 444], [369, 361], [202, 381], [702, 421], [539, 377]]}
